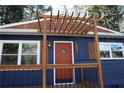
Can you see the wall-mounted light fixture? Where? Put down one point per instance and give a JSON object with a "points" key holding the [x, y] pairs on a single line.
{"points": [[49, 43]]}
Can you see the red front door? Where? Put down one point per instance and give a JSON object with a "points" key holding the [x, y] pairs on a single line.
{"points": [[63, 55]]}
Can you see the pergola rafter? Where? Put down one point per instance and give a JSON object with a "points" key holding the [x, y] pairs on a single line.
{"points": [[79, 23], [62, 22], [68, 22], [72, 26]]}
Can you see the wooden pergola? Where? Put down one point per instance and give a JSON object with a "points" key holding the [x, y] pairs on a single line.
{"points": [[55, 25]]}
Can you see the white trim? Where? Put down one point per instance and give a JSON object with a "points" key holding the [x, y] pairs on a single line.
{"points": [[1, 47], [19, 23], [112, 58], [38, 52], [107, 34], [19, 53], [110, 51], [72, 59], [109, 30], [11, 30], [20, 48]]}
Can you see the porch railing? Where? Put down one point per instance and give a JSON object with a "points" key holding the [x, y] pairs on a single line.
{"points": [[84, 75]]}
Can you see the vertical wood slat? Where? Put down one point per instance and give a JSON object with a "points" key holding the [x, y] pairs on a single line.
{"points": [[100, 77], [44, 55]]}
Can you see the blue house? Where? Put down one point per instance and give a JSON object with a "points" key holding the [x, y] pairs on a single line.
{"points": [[61, 51]]}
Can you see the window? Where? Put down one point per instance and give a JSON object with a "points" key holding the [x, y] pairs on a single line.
{"points": [[29, 53], [19, 52], [117, 50], [104, 50], [111, 50], [9, 54]]}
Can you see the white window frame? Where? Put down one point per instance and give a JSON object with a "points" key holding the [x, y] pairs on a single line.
{"points": [[20, 42], [110, 51]]}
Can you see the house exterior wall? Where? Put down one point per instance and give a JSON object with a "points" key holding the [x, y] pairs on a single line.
{"points": [[113, 70]]}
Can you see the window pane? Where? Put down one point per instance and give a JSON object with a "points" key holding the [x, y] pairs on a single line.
{"points": [[29, 59], [116, 47], [10, 48], [104, 47], [117, 54], [9, 60], [104, 54], [29, 48]]}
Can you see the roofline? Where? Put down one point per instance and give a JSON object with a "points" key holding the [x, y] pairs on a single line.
{"points": [[18, 23], [37, 33], [27, 22], [113, 31]]}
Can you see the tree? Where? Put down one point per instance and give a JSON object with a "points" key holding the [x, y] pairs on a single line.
{"points": [[17, 13], [112, 13], [10, 14]]}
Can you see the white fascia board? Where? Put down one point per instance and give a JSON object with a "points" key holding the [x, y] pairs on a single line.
{"points": [[109, 30], [18, 30], [106, 34], [19, 23]]}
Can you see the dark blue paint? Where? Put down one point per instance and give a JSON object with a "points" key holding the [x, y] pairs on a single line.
{"points": [[20, 37], [90, 75], [113, 72], [20, 78]]}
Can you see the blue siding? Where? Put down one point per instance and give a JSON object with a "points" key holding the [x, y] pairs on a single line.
{"points": [[20, 78], [20, 37], [113, 70]]}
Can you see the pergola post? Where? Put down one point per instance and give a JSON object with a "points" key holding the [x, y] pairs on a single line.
{"points": [[44, 55], [100, 77]]}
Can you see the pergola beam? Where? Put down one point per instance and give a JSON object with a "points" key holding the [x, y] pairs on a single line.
{"points": [[100, 77], [39, 25], [44, 56], [50, 21]]}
